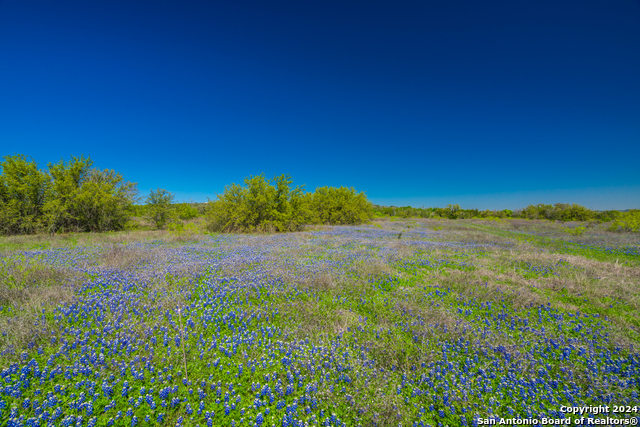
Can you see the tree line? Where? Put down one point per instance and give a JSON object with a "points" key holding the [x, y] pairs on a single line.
{"points": [[556, 212], [75, 196]]}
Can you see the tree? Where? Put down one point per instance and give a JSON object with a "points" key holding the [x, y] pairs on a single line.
{"points": [[290, 211], [331, 205], [571, 212], [227, 213], [187, 211], [23, 192], [451, 211], [67, 180], [103, 202], [159, 209], [69, 196], [627, 221], [558, 212], [262, 205]]}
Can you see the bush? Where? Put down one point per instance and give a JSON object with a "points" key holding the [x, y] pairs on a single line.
{"points": [[159, 209], [261, 205], [274, 205], [451, 212], [571, 212], [23, 193], [607, 216], [558, 212], [578, 231], [70, 196], [186, 211], [103, 200], [330, 205], [627, 221]]}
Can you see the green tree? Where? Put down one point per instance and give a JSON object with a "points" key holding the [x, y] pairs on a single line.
{"points": [[186, 211], [69, 196], [287, 209], [67, 180], [571, 212], [159, 208], [259, 205], [104, 201], [451, 211], [227, 213], [627, 221], [558, 212], [331, 205], [606, 216], [23, 192]]}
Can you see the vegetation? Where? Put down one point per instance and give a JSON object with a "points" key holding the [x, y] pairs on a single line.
{"points": [[413, 322], [187, 211], [559, 212], [449, 212], [344, 326], [159, 207], [74, 196], [68, 196], [261, 205], [330, 205], [23, 193], [274, 205], [564, 212], [627, 221]]}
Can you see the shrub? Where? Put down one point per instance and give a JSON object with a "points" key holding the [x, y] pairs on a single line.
{"points": [[330, 205], [571, 212], [451, 211], [186, 211], [180, 228], [607, 216], [558, 212], [575, 231], [70, 196], [274, 205], [159, 209], [103, 200], [261, 205], [627, 221], [23, 193]]}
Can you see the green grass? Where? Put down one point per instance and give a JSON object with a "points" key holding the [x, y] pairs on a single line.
{"points": [[432, 328], [557, 245]]}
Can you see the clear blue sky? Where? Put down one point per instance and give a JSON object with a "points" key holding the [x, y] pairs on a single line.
{"points": [[487, 104]]}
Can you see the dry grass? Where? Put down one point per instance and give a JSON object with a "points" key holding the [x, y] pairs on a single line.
{"points": [[22, 285], [120, 257], [9, 244], [577, 281], [375, 267], [25, 294]]}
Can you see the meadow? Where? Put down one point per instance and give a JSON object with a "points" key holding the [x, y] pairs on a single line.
{"points": [[391, 323]]}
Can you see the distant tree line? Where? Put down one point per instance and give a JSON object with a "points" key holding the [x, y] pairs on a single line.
{"points": [[76, 196], [557, 212]]}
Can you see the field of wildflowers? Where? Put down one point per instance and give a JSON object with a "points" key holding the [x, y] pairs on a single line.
{"points": [[403, 323]]}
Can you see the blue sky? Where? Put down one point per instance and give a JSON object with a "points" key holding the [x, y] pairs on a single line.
{"points": [[486, 104]]}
